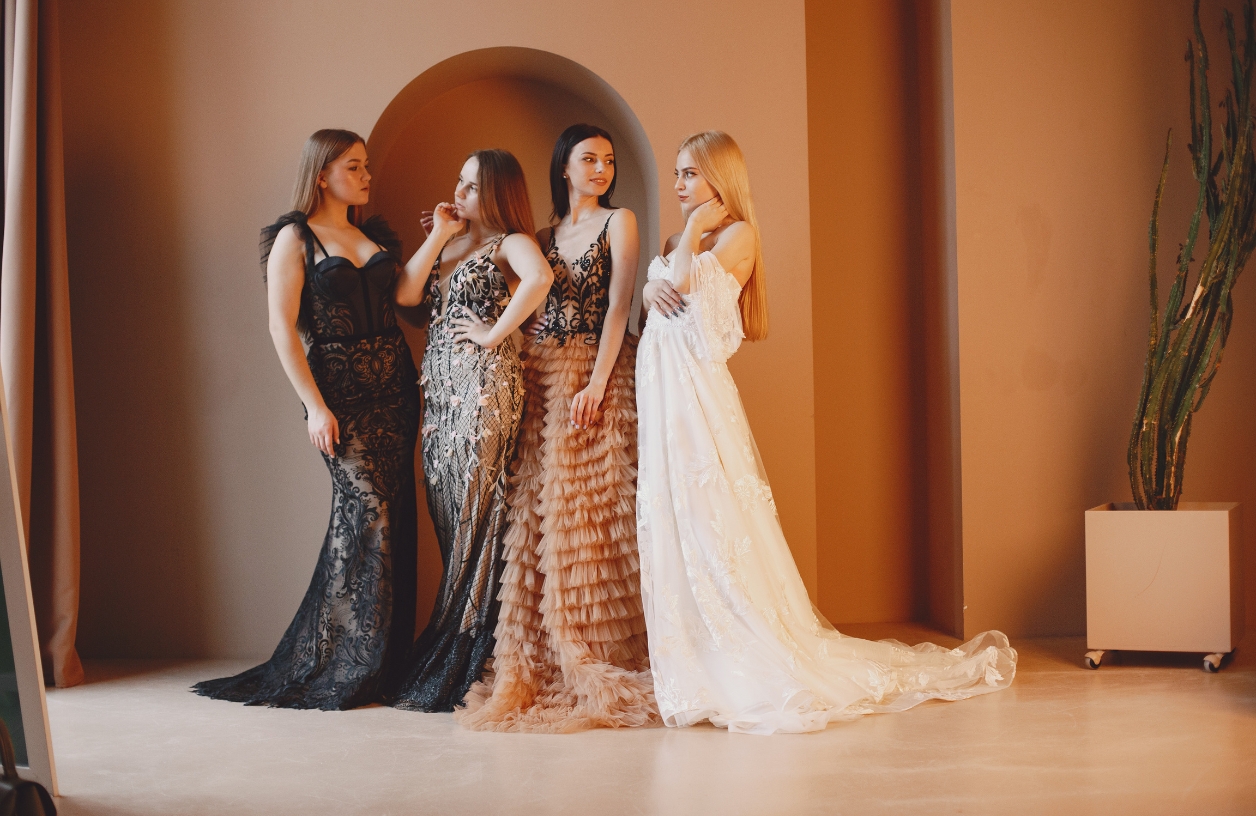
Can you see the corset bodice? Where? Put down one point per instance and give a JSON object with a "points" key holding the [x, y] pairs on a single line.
{"points": [[580, 295], [357, 353], [346, 300]]}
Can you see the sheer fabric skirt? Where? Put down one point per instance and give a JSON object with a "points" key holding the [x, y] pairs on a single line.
{"points": [[473, 400], [571, 649], [348, 640]]}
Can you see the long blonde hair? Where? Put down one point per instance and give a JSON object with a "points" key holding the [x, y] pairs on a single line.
{"points": [[320, 150], [722, 164]]}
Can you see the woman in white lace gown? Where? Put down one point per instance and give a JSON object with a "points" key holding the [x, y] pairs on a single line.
{"points": [[733, 636]]}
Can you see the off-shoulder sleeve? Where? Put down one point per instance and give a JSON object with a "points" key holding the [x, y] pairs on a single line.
{"points": [[719, 311]]}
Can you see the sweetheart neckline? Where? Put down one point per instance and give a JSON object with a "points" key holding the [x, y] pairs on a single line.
{"points": [[348, 261]]}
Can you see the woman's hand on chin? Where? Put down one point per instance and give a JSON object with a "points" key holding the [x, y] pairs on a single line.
{"points": [[660, 296], [445, 222], [474, 330]]}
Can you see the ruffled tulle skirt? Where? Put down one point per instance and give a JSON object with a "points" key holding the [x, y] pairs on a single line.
{"points": [[571, 649]]}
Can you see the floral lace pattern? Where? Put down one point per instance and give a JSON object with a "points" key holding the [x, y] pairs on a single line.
{"points": [[350, 634], [580, 294], [733, 636], [472, 405]]}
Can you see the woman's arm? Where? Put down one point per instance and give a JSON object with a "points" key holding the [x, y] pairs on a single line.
{"points": [[535, 323], [523, 256], [659, 294], [625, 252], [734, 248], [285, 278], [412, 285]]}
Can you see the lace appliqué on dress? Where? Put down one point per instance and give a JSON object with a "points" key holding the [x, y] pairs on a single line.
{"points": [[720, 314]]}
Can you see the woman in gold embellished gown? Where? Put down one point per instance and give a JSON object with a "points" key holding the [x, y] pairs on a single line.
{"points": [[472, 401], [571, 651]]}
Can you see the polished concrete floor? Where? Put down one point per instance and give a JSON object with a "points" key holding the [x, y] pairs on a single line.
{"points": [[1149, 735]]}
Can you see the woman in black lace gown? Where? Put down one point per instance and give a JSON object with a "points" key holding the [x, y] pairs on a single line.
{"points": [[472, 402], [335, 283]]}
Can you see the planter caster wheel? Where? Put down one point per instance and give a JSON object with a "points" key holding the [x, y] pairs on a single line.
{"points": [[1212, 662], [1094, 659]]}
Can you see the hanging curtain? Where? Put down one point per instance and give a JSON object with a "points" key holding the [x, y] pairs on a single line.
{"points": [[35, 354]]}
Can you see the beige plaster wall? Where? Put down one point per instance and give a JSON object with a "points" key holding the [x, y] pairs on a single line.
{"points": [[203, 503], [1061, 108]]}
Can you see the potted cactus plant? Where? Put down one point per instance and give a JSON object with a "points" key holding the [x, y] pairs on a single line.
{"points": [[1165, 575]]}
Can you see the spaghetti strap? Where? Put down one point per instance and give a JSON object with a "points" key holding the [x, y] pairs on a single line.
{"points": [[319, 243]]}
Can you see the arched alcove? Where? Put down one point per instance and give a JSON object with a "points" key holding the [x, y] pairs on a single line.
{"points": [[519, 99]]}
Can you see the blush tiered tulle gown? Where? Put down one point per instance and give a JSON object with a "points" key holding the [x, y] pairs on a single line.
{"points": [[571, 648]]}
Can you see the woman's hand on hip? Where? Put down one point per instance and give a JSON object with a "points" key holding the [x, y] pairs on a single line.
{"points": [[474, 330]]}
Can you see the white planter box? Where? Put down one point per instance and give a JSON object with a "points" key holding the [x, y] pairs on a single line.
{"points": [[1164, 580]]}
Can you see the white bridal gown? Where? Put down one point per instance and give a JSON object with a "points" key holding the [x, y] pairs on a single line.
{"points": [[733, 636]]}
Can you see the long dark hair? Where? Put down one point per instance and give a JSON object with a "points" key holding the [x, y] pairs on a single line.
{"points": [[504, 204], [566, 143]]}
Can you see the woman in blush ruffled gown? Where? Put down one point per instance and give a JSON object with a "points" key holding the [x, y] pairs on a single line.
{"points": [[571, 647], [734, 639]]}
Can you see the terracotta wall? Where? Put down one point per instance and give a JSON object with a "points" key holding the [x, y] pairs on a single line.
{"points": [[884, 449], [203, 503], [1061, 109]]}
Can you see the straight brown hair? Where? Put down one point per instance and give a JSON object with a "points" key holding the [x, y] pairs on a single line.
{"points": [[320, 150], [504, 202]]}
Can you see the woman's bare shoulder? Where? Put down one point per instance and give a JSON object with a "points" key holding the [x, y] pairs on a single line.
{"points": [[672, 242], [622, 217], [288, 241], [519, 242], [738, 231]]}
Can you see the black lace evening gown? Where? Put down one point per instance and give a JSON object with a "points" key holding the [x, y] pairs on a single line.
{"points": [[348, 641], [472, 404]]}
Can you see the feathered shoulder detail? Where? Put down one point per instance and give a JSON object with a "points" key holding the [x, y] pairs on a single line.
{"points": [[377, 229], [270, 233]]}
